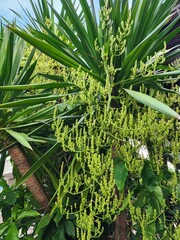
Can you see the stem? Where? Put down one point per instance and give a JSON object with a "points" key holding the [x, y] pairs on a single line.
{"points": [[120, 229], [120, 226], [23, 166]]}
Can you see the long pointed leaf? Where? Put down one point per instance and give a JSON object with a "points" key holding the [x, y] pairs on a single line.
{"points": [[53, 52], [29, 102], [153, 103], [36, 86], [20, 138], [38, 164]]}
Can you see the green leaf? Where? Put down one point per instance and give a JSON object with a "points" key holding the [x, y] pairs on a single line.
{"points": [[11, 198], [60, 234], [159, 194], [28, 238], [30, 139], [57, 217], [29, 102], [52, 52], [20, 138], [153, 103], [12, 233], [151, 229], [38, 164], [52, 77], [54, 179], [70, 228], [120, 173], [2, 163], [26, 214], [3, 227], [6, 212], [148, 177], [45, 220], [36, 86]]}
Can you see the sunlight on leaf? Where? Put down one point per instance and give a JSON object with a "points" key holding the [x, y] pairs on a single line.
{"points": [[20, 138], [153, 103]]}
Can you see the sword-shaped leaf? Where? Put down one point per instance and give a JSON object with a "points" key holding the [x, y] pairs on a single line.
{"points": [[20, 138], [153, 103]]}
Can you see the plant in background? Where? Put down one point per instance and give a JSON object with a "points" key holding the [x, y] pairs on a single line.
{"points": [[18, 212], [107, 189]]}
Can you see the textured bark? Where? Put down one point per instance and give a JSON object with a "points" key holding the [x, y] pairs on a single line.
{"points": [[22, 164], [120, 228]]}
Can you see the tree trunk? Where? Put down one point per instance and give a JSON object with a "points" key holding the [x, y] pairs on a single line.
{"points": [[120, 228], [22, 164]]}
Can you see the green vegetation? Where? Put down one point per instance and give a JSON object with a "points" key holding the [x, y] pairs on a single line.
{"points": [[88, 123]]}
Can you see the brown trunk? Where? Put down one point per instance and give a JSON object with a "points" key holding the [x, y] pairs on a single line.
{"points": [[22, 164], [120, 228]]}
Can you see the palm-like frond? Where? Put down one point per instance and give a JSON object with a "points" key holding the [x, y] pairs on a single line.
{"points": [[147, 33], [24, 115], [121, 38]]}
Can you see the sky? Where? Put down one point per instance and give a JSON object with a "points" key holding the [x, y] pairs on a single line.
{"points": [[6, 5]]}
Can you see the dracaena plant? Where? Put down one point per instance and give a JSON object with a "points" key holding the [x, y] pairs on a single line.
{"points": [[135, 36], [26, 111], [22, 110], [107, 55]]}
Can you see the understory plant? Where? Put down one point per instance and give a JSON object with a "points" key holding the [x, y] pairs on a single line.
{"points": [[110, 164]]}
